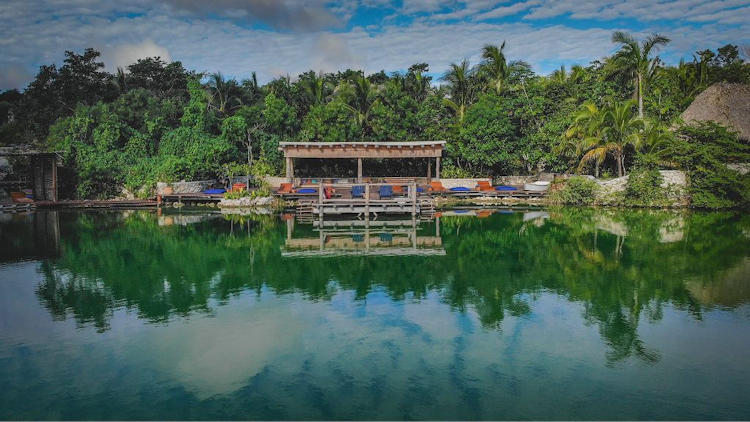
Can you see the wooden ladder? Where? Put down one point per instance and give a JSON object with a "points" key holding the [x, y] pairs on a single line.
{"points": [[427, 208], [304, 211]]}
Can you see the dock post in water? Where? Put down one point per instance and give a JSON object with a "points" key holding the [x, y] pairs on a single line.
{"points": [[367, 201]]}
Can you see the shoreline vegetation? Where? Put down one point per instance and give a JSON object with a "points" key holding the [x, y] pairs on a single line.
{"points": [[621, 120]]}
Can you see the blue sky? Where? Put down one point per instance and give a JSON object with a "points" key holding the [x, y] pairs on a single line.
{"points": [[279, 37]]}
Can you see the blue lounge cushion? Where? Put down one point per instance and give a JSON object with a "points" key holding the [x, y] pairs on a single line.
{"points": [[386, 237], [307, 190], [460, 189], [386, 191], [460, 211], [504, 187], [214, 191], [358, 191]]}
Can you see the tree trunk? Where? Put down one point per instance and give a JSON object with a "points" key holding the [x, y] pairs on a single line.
{"points": [[618, 159], [596, 169], [640, 95], [622, 165]]}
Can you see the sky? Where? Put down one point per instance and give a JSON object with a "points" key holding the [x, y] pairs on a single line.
{"points": [[288, 37]]}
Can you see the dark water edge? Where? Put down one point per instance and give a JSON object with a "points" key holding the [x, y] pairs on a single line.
{"points": [[548, 314]]}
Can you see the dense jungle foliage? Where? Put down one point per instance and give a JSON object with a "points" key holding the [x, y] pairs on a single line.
{"points": [[157, 121]]}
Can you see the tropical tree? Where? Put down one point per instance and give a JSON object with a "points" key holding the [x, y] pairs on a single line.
{"points": [[607, 132], [225, 95], [585, 135], [361, 97], [416, 83], [562, 77], [314, 87], [634, 60], [495, 67], [462, 89]]}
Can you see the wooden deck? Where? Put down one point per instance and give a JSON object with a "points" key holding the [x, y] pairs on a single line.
{"points": [[363, 237], [191, 198], [409, 201]]}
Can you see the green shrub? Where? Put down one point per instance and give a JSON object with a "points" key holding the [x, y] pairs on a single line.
{"points": [[644, 188], [577, 191], [703, 150], [236, 194], [453, 172]]}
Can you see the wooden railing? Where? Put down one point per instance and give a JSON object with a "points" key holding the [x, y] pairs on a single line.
{"points": [[366, 200]]}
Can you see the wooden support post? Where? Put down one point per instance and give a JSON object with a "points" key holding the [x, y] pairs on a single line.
{"points": [[437, 168], [359, 170], [367, 201], [413, 194], [414, 232], [429, 169], [289, 170], [54, 178]]}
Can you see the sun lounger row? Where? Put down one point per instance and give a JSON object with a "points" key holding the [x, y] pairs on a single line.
{"points": [[482, 188]]}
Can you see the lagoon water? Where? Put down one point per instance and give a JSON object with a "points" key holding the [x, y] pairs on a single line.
{"points": [[547, 314]]}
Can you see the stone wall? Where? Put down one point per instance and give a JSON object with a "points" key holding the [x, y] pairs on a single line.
{"points": [[517, 180], [672, 178], [275, 181], [467, 183], [184, 187]]}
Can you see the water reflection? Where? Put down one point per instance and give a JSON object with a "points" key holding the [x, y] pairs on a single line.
{"points": [[620, 265]]}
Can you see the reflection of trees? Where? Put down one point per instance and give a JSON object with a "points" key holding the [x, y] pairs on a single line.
{"points": [[494, 266]]}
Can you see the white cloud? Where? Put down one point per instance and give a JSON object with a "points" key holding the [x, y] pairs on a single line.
{"points": [[126, 54], [14, 76], [34, 33], [507, 10]]}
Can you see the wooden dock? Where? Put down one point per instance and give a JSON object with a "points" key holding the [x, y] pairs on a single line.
{"points": [[337, 199], [337, 238], [190, 198]]}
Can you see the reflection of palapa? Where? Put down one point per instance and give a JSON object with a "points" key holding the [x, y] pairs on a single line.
{"points": [[361, 237]]}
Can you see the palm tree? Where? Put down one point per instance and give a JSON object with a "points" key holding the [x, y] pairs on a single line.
{"points": [[586, 134], [562, 77], [622, 129], [461, 88], [224, 94], [121, 80], [495, 67], [315, 87], [633, 59], [606, 132], [252, 92], [359, 97]]}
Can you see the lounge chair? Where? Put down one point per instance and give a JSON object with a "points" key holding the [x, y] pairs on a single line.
{"points": [[483, 186], [20, 198], [285, 188], [436, 187], [358, 191], [386, 191], [484, 213], [460, 189], [398, 190], [307, 190]]}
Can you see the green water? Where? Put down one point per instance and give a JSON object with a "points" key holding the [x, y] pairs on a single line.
{"points": [[563, 314]]}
